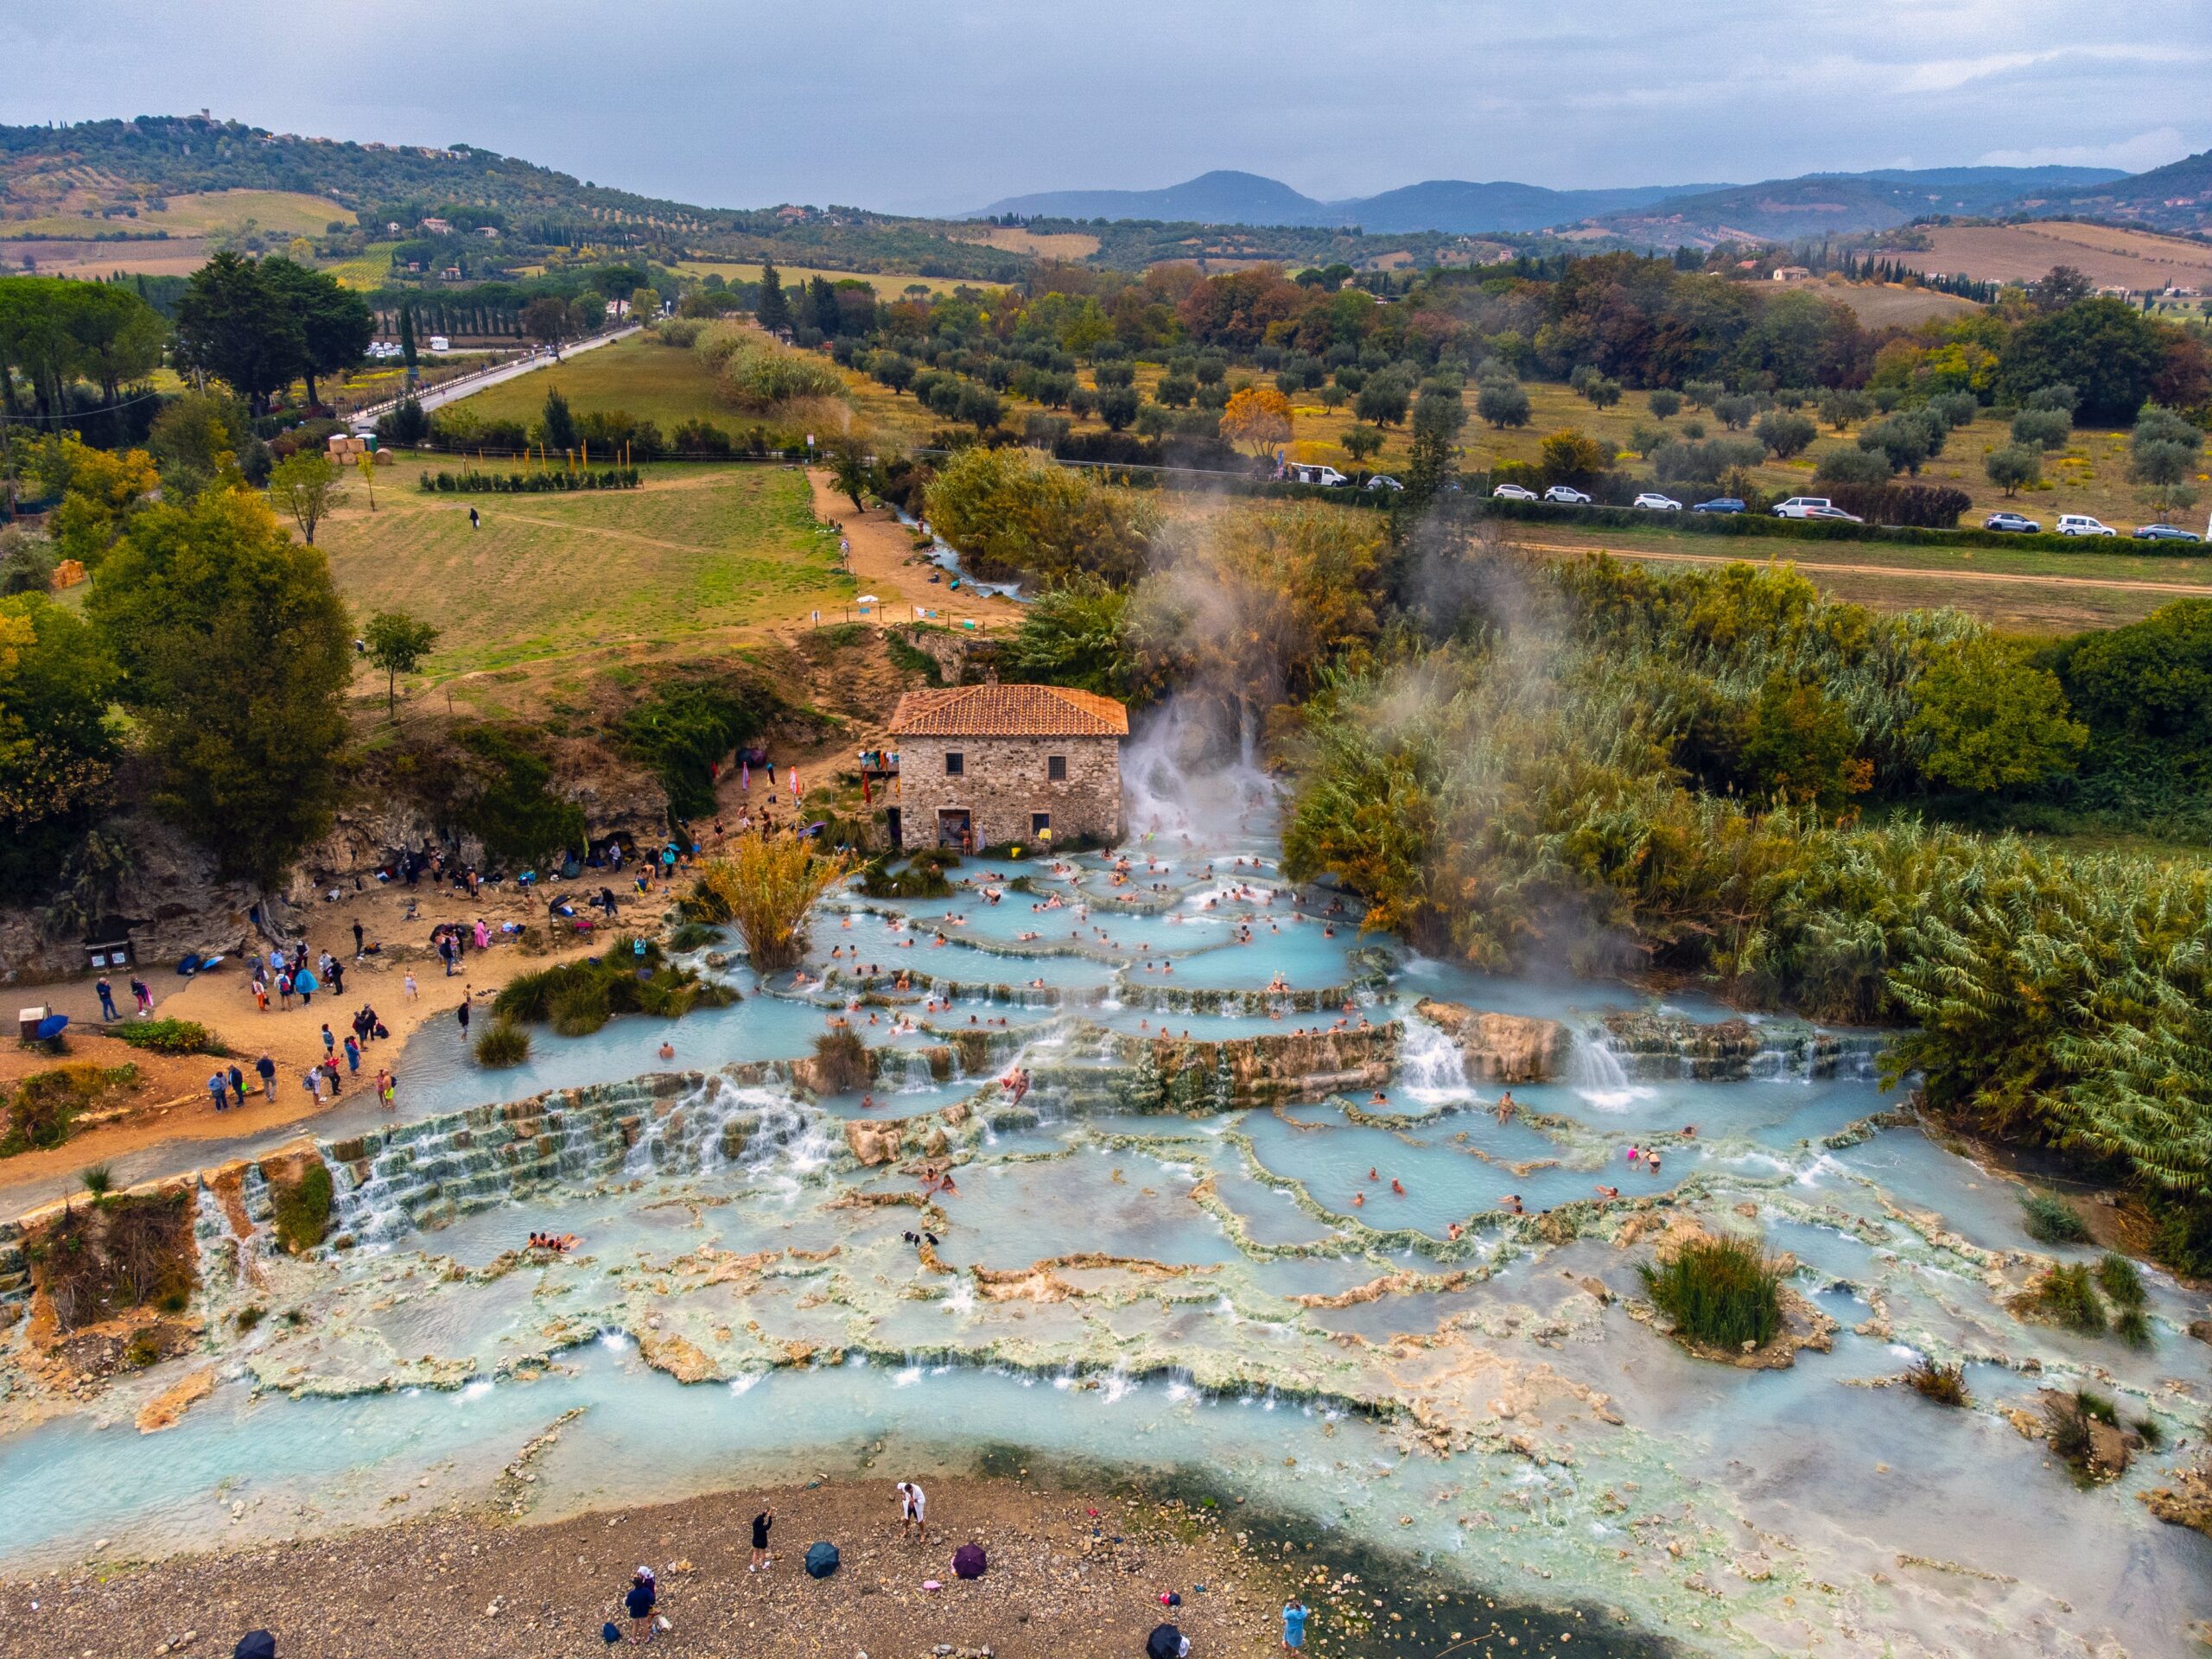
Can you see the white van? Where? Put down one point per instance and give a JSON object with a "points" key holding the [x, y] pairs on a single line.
{"points": [[440, 343], [2079, 524], [1327, 477]]}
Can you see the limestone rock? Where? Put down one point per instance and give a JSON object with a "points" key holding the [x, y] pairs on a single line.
{"points": [[875, 1143], [1499, 1048]]}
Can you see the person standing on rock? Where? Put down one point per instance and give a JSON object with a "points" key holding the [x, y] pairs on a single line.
{"points": [[761, 1523], [913, 1510], [1295, 1615]]}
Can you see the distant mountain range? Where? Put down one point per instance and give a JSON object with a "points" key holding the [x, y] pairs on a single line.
{"points": [[1662, 214], [1447, 205]]}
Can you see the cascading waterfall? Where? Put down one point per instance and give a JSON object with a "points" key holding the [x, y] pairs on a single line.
{"points": [[1595, 1072], [1430, 1064]]}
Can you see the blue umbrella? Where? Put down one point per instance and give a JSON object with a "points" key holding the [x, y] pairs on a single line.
{"points": [[51, 1026]]}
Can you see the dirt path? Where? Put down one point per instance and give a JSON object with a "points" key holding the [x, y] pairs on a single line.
{"points": [[2195, 590], [1070, 1572], [885, 564], [165, 1112]]}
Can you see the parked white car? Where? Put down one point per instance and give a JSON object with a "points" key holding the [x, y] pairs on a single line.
{"points": [[1805, 506], [2079, 524], [1512, 492], [1651, 502], [1566, 497]]}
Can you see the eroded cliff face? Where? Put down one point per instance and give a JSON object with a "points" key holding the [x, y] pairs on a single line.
{"points": [[1500, 1047]]}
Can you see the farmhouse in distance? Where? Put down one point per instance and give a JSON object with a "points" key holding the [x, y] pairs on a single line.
{"points": [[987, 765]]}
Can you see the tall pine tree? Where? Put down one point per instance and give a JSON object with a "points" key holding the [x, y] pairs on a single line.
{"points": [[773, 310]]}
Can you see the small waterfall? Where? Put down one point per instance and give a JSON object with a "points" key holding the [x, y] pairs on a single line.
{"points": [[1430, 1064], [1595, 1072], [789, 1143], [705, 1130]]}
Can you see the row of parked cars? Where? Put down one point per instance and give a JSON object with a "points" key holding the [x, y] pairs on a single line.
{"points": [[2079, 524], [1820, 508]]}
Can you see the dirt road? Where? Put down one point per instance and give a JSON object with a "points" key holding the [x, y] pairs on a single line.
{"points": [[886, 564], [2188, 589]]}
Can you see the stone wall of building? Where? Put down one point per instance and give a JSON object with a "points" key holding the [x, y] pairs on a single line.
{"points": [[1004, 781]]}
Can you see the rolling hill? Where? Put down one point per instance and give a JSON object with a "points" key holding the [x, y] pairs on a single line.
{"points": [[1453, 207], [1837, 204], [2175, 197]]}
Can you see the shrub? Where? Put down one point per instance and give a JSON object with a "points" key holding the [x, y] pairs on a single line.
{"points": [[577, 998], [171, 1037], [684, 728], [2120, 1279], [2065, 1296], [503, 1043], [765, 884], [2050, 1220], [760, 373], [1722, 1292], [2133, 1326], [249, 1316], [1945, 1384], [917, 881], [44, 1108], [303, 1208], [692, 936], [842, 1061], [1925, 507], [99, 1180]]}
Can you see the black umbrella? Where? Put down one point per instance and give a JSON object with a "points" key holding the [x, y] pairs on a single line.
{"points": [[1165, 1641], [255, 1644]]}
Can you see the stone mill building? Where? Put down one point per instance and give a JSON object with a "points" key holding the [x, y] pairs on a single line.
{"points": [[984, 766]]}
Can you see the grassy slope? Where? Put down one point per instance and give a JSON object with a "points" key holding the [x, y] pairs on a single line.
{"points": [[657, 383], [699, 551], [277, 211]]}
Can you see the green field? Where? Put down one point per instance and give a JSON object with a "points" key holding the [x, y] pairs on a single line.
{"points": [[666, 384], [698, 551], [2029, 591], [369, 268]]}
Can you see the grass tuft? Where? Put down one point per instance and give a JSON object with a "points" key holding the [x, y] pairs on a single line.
{"points": [[1945, 1384], [2052, 1220], [503, 1043], [2067, 1296], [2121, 1280], [1723, 1292], [841, 1059]]}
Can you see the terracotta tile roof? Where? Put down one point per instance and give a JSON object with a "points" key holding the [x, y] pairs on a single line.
{"points": [[1008, 711]]}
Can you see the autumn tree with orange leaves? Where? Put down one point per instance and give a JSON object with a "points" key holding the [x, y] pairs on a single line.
{"points": [[1259, 416]]}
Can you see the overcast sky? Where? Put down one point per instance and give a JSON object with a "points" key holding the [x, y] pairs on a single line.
{"points": [[947, 106]]}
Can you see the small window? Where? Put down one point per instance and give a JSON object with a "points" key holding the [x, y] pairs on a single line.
{"points": [[1040, 826], [955, 764], [1056, 768]]}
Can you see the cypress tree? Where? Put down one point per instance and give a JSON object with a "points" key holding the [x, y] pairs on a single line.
{"points": [[772, 309]]}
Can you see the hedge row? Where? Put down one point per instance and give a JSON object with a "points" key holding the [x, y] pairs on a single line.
{"points": [[613, 478]]}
